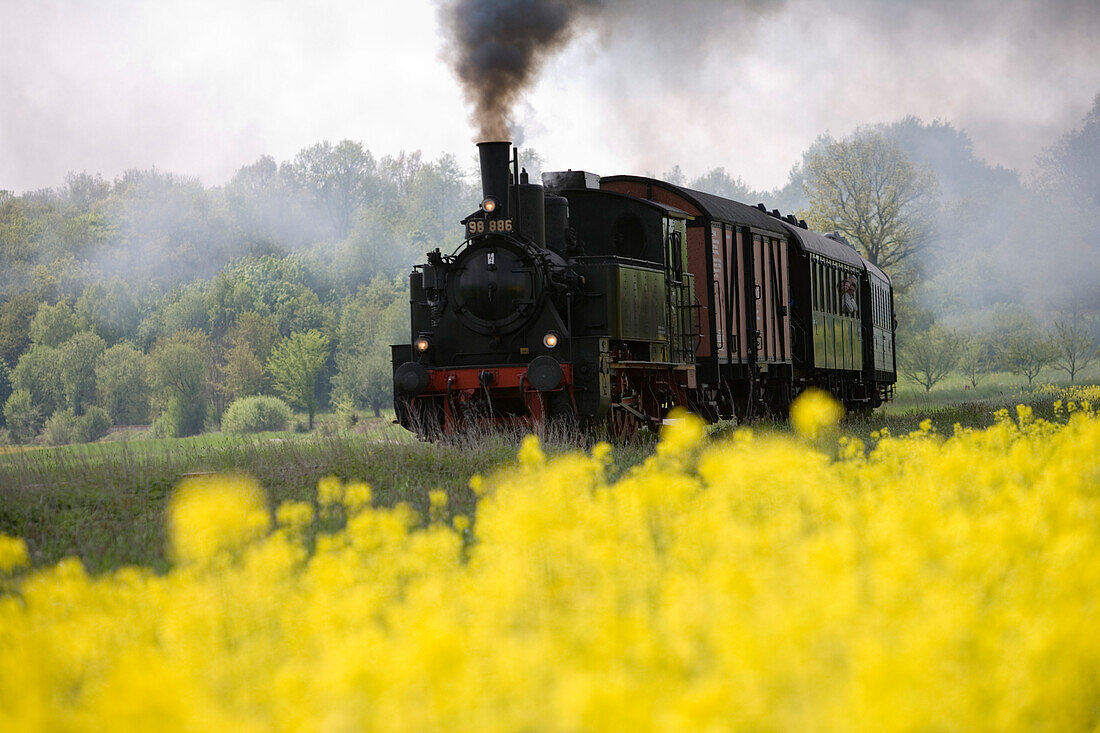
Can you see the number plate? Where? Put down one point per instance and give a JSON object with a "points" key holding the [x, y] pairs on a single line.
{"points": [[488, 226]]}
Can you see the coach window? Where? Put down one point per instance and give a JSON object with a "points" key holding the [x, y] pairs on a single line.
{"points": [[822, 299], [832, 291], [815, 283], [839, 278], [834, 283]]}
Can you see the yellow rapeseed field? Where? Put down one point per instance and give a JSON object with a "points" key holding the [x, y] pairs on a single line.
{"points": [[764, 582]]}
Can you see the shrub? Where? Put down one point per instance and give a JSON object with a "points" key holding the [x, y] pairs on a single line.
{"points": [[256, 414], [22, 416], [164, 426], [65, 427], [94, 424], [62, 428], [181, 418]]}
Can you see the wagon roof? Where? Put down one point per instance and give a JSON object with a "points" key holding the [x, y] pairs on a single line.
{"points": [[831, 248], [715, 207]]}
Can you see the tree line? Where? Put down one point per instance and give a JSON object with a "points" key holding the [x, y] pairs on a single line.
{"points": [[153, 299], [992, 272]]}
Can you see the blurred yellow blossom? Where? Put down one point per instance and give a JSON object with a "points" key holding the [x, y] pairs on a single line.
{"points": [[357, 496], [760, 582], [294, 514], [13, 553], [211, 514], [330, 490], [530, 452], [815, 411]]}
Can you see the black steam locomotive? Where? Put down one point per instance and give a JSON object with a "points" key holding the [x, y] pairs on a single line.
{"points": [[610, 301]]}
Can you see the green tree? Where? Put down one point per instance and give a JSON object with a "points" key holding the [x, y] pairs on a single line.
{"points": [[23, 418], [53, 325], [76, 359], [1027, 352], [340, 178], [1075, 348], [16, 314], [19, 232], [376, 317], [242, 374], [929, 356], [259, 203], [259, 332], [675, 175], [867, 189], [110, 308], [5, 387], [718, 182], [38, 373], [122, 384], [1073, 163], [178, 370], [294, 366], [976, 359], [64, 426]]}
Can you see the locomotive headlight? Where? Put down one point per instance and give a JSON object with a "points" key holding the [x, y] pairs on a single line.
{"points": [[422, 344], [550, 340], [489, 205]]}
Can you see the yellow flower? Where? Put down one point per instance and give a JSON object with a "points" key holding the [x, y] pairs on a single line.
{"points": [[755, 582], [330, 490], [13, 553], [530, 452], [681, 434], [357, 496], [209, 515], [294, 514], [815, 411]]}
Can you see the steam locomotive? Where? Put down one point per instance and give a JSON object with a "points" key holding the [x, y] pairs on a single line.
{"points": [[608, 301]]}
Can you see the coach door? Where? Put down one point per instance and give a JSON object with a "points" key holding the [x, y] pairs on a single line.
{"points": [[771, 293]]}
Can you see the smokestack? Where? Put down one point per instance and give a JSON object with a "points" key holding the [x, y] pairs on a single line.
{"points": [[495, 173]]}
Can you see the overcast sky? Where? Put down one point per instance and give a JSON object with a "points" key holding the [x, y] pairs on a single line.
{"points": [[204, 86]]}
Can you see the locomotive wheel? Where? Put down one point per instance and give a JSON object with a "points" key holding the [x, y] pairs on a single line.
{"points": [[622, 425]]}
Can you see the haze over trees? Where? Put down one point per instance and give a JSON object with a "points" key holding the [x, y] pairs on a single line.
{"points": [[156, 299]]}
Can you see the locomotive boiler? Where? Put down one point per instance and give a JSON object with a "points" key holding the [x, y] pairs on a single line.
{"points": [[606, 302]]}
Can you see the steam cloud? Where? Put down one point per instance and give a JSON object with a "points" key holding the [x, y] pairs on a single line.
{"points": [[498, 46]]}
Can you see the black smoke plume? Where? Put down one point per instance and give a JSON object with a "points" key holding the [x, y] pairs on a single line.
{"points": [[498, 46]]}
